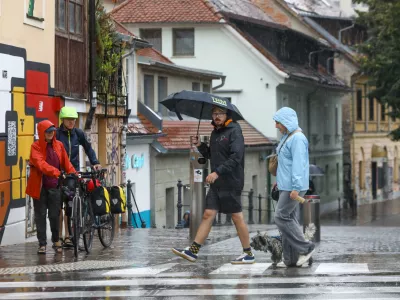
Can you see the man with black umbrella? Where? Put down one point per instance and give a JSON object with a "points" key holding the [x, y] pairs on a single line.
{"points": [[226, 180]]}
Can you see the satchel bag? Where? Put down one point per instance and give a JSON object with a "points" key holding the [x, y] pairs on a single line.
{"points": [[273, 160]]}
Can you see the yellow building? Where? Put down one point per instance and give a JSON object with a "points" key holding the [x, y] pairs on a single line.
{"points": [[374, 156], [26, 96]]}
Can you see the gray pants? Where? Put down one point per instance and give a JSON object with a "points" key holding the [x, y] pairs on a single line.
{"points": [[286, 218]]}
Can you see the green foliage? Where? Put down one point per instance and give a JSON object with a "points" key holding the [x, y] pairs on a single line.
{"points": [[381, 52], [109, 52]]}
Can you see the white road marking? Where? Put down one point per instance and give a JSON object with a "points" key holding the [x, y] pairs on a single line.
{"points": [[328, 268], [195, 281], [206, 292], [147, 271], [249, 269]]}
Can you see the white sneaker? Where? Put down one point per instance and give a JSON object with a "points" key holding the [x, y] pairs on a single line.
{"points": [[304, 258], [281, 264]]}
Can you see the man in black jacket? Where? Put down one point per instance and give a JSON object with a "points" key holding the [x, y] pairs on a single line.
{"points": [[226, 180], [71, 138]]}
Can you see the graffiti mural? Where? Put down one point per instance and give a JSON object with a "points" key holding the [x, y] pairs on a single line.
{"points": [[26, 99]]}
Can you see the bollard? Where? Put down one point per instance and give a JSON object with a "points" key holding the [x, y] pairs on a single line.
{"points": [[269, 204], [251, 207], [129, 203], [339, 203], [259, 208], [179, 205], [219, 218], [311, 215]]}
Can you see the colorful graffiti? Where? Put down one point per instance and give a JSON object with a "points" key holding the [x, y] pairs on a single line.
{"points": [[26, 98]]}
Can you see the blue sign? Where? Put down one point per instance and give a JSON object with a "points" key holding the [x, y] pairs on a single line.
{"points": [[134, 161]]}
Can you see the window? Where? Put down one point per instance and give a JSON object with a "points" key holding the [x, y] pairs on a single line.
{"points": [[153, 36], [69, 16], [149, 90], [383, 112], [162, 94], [337, 128], [34, 12], [183, 42], [371, 109], [337, 177], [359, 105], [196, 86], [206, 88]]}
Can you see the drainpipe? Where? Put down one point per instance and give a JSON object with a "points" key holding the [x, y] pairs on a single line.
{"points": [[223, 78], [344, 29], [92, 65], [309, 113]]}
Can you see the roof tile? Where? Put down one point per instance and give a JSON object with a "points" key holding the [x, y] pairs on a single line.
{"points": [[153, 54], [165, 11], [178, 134]]}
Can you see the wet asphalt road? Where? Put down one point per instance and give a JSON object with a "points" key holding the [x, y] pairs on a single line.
{"points": [[358, 258]]}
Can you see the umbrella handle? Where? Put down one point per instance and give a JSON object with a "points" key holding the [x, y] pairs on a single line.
{"points": [[198, 126]]}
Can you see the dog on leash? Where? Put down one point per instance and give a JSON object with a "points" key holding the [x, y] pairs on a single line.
{"points": [[273, 244]]}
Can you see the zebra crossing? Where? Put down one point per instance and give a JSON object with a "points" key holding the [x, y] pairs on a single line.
{"points": [[184, 280]]}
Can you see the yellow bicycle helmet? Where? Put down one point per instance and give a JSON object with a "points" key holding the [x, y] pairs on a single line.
{"points": [[68, 113]]}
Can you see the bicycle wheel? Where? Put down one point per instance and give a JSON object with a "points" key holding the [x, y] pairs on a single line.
{"points": [[88, 229], [106, 229], [76, 218]]}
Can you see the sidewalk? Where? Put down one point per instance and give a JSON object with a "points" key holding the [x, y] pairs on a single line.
{"points": [[385, 213]]}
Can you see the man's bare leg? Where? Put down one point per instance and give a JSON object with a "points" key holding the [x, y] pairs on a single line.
{"points": [[190, 253], [205, 226], [242, 230]]}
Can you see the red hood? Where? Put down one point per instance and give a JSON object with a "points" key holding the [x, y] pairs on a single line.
{"points": [[42, 127]]}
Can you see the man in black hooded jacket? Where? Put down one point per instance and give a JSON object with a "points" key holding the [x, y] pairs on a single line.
{"points": [[226, 180]]}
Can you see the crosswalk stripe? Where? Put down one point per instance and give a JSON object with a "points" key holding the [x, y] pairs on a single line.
{"points": [[250, 269], [147, 271], [204, 292], [342, 268], [195, 281]]}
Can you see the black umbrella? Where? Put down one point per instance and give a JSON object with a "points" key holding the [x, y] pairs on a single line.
{"points": [[316, 171], [198, 105]]}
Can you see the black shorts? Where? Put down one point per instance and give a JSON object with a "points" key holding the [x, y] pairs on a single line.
{"points": [[224, 201]]}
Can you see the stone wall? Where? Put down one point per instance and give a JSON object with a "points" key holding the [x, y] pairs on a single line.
{"points": [[168, 168]]}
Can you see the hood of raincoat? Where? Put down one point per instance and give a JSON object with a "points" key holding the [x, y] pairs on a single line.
{"points": [[288, 118], [42, 127]]}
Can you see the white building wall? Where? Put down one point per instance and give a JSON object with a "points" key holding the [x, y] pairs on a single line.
{"points": [[218, 49], [138, 172]]}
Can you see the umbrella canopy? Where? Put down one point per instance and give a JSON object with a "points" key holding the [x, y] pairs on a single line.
{"points": [[198, 105], [316, 171]]}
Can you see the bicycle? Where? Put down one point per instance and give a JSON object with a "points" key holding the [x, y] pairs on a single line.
{"points": [[81, 219], [104, 223]]}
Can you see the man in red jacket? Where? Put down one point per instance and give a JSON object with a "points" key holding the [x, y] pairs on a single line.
{"points": [[48, 157]]}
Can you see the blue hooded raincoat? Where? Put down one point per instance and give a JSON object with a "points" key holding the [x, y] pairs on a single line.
{"points": [[293, 165]]}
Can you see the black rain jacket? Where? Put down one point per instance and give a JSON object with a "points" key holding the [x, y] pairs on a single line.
{"points": [[226, 154]]}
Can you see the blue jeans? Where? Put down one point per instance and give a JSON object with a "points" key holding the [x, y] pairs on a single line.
{"points": [[286, 218]]}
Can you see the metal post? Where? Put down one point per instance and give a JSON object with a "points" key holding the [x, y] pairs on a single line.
{"points": [[179, 205], [129, 204], [219, 218], [251, 206], [339, 204], [259, 208], [198, 174]]}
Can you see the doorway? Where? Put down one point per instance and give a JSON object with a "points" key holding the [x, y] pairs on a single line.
{"points": [[169, 208], [374, 170]]}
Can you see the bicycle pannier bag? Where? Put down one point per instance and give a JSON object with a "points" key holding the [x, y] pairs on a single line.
{"points": [[117, 200], [100, 201]]}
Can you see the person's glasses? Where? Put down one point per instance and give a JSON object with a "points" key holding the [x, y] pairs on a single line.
{"points": [[218, 114]]}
